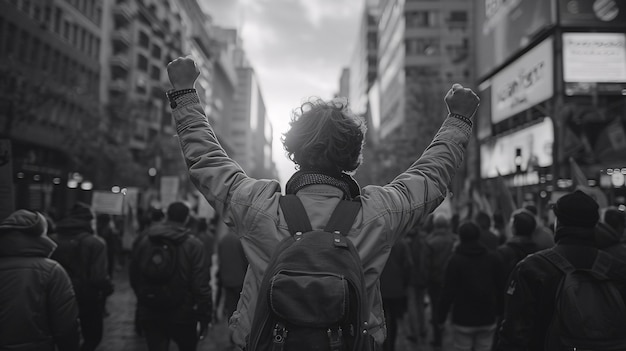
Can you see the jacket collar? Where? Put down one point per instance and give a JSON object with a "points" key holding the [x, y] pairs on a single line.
{"points": [[342, 181], [17, 244], [575, 236]]}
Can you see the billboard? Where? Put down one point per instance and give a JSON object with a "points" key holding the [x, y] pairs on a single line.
{"points": [[506, 27], [592, 13], [594, 57], [531, 146], [524, 83]]}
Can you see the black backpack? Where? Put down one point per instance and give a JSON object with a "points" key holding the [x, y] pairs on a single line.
{"points": [[70, 256], [157, 264], [313, 295], [589, 310]]}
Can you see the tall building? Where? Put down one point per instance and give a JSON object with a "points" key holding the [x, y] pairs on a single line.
{"points": [[49, 62], [422, 49], [344, 83], [250, 129], [552, 80]]}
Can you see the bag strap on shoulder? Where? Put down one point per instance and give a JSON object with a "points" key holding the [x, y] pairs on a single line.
{"points": [[559, 261], [295, 214], [343, 217]]}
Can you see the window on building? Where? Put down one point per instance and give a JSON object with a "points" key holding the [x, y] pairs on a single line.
{"points": [[142, 62], [10, 38], [422, 19], [156, 51], [2, 31], [24, 39], [155, 72], [45, 54], [54, 61], [34, 51], [84, 45], [458, 16], [66, 29], [97, 49], [57, 19], [47, 15], [144, 40], [422, 46], [75, 33]]}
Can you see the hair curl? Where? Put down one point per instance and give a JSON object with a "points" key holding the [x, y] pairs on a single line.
{"points": [[325, 136]]}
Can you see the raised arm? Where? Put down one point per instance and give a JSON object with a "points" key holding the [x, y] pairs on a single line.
{"points": [[422, 187], [211, 170]]}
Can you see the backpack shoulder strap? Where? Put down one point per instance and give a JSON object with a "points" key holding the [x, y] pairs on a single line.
{"points": [[295, 214], [559, 261], [610, 266], [343, 217]]}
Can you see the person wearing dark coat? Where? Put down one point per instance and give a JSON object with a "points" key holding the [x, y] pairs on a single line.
{"points": [[38, 309], [609, 233], [84, 256], [531, 291], [488, 238], [394, 284], [178, 323], [542, 235], [472, 289], [521, 243]]}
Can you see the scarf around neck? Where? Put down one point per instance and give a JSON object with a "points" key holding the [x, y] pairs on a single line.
{"points": [[343, 181]]}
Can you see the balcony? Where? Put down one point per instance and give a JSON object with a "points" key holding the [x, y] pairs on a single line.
{"points": [[121, 38], [124, 12], [118, 85], [120, 61]]}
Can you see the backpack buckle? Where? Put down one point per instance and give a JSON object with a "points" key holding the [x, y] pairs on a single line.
{"points": [[335, 338], [339, 240], [279, 334]]}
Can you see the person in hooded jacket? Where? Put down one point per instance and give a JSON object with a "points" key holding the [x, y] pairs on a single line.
{"points": [[472, 289], [609, 233], [83, 255], [521, 244], [38, 309], [191, 274]]}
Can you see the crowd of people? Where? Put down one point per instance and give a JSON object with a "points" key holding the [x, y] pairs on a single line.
{"points": [[324, 265]]}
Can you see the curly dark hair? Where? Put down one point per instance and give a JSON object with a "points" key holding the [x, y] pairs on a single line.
{"points": [[325, 136]]}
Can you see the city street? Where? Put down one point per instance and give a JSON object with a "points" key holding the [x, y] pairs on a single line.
{"points": [[119, 333]]}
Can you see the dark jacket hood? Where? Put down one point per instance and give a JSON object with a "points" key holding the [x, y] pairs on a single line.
{"points": [[74, 226], [567, 235], [606, 236], [17, 244], [472, 248], [168, 230]]}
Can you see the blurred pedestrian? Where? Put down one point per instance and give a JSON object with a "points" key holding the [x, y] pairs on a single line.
{"points": [[170, 277], [84, 256], [325, 141], [472, 289], [488, 238], [418, 285], [569, 297], [439, 248], [542, 235], [609, 233], [38, 309], [105, 228], [521, 244], [200, 229], [394, 283]]}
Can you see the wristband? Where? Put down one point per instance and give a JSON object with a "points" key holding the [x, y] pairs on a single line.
{"points": [[462, 118], [173, 94]]}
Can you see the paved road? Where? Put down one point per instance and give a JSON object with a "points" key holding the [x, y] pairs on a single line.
{"points": [[119, 333]]}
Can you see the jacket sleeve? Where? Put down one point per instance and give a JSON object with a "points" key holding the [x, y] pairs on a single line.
{"points": [[212, 171], [200, 276], [424, 185], [62, 310], [449, 290], [520, 312]]}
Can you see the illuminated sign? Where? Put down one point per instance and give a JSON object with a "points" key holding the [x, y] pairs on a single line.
{"points": [[505, 27], [532, 147], [524, 83], [593, 13], [594, 57]]}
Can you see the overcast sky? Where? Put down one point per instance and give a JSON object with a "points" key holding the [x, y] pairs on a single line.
{"points": [[297, 48]]}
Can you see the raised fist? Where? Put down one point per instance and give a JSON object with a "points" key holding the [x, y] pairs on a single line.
{"points": [[183, 73], [462, 101]]}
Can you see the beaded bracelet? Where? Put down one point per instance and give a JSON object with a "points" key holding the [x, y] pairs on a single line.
{"points": [[462, 118]]}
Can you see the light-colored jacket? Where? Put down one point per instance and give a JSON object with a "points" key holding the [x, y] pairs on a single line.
{"points": [[250, 206]]}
